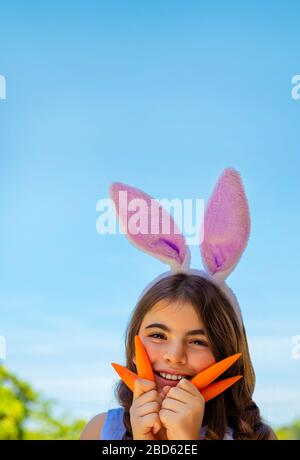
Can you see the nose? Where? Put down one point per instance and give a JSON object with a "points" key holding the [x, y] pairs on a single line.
{"points": [[175, 353]]}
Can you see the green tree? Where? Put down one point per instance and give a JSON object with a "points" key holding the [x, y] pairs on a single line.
{"points": [[25, 414], [289, 432]]}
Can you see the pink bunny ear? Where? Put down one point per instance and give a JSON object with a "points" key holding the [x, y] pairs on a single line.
{"points": [[226, 225], [149, 226]]}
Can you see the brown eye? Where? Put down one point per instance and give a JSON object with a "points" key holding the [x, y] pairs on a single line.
{"points": [[156, 334], [201, 343]]}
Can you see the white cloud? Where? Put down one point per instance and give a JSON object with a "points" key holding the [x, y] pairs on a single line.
{"points": [[83, 397], [62, 335], [266, 350], [280, 405], [70, 386], [273, 394]]}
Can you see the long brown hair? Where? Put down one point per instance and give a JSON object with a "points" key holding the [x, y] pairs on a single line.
{"points": [[227, 336]]}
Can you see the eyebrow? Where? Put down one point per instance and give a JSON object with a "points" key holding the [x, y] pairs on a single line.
{"points": [[167, 329]]}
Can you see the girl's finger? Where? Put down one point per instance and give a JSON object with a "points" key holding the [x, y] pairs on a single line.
{"points": [[149, 408], [173, 405], [149, 396], [181, 395], [142, 386], [157, 427], [165, 391], [188, 386]]}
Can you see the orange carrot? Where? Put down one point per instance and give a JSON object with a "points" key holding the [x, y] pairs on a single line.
{"points": [[204, 378], [143, 364], [215, 389], [126, 375]]}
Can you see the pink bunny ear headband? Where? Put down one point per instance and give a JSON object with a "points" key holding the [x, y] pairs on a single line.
{"points": [[226, 231]]}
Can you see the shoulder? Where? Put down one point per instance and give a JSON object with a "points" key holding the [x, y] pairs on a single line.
{"points": [[271, 436], [93, 428]]}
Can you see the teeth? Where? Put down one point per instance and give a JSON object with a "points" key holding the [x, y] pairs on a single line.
{"points": [[171, 376]]}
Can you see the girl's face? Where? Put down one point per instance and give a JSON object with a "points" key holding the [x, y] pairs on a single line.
{"points": [[176, 342]]}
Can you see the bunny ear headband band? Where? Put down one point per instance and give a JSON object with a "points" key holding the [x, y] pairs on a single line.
{"points": [[226, 231]]}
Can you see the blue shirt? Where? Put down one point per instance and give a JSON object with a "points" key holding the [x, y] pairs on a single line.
{"points": [[113, 428]]}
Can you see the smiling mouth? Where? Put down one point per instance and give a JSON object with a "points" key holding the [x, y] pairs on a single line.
{"points": [[188, 377]]}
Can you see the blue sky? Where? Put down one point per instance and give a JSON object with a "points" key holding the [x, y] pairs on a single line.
{"points": [[162, 96]]}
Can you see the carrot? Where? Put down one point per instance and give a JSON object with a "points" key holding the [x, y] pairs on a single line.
{"points": [[204, 378], [216, 388], [126, 375], [143, 364]]}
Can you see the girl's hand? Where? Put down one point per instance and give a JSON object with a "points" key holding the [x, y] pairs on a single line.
{"points": [[182, 411], [144, 418]]}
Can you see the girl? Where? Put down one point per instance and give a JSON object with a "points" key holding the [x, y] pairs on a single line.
{"points": [[187, 320]]}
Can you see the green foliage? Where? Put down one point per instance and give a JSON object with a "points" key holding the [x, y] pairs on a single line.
{"points": [[289, 432], [25, 414]]}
